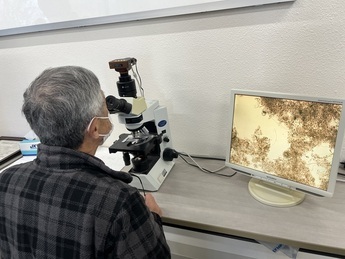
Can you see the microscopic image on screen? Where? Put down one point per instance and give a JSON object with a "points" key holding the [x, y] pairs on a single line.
{"points": [[291, 139]]}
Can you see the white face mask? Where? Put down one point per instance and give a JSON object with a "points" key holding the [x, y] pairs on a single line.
{"points": [[105, 136]]}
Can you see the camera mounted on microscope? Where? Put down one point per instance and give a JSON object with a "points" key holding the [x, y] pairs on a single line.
{"points": [[126, 88], [126, 85]]}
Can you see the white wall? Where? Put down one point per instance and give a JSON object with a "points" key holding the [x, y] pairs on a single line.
{"points": [[190, 63]]}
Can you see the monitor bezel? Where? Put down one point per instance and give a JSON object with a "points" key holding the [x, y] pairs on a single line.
{"points": [[276, 179]]}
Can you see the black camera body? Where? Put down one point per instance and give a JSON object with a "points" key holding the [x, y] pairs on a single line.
{"points": [[126, 85]]}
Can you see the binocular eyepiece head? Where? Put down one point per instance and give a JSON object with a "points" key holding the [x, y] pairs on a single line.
{"points": [[116, 105]]}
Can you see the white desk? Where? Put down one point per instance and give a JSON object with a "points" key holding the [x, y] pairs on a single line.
{"points": [[191, 198]]}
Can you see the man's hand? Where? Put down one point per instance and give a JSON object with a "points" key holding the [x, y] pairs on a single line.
{"points": [[152, 204]]}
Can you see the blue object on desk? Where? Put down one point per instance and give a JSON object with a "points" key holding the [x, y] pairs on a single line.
{"points": [[28, 147]]}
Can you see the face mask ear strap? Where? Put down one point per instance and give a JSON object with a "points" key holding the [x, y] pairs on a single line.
{"points": [[89, 126]]}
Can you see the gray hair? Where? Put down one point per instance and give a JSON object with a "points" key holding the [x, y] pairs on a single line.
{"points": [[60, 103]]}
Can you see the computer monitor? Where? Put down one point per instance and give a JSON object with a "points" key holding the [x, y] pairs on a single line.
{"points": [[288, 144]]}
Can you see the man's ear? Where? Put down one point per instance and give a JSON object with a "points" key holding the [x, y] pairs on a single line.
{"points": [[93, 129]]}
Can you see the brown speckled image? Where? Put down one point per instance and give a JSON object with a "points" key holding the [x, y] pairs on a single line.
{"points": [[288, 138]]}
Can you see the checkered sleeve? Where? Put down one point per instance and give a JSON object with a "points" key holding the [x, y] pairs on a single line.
{"points": [[137, 232]]}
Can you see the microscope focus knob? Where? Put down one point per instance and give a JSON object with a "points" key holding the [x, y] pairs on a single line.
{"points": [[166, 139], [169, 154]]}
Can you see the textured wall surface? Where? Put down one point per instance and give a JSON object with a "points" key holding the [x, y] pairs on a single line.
{"points": [[190, 63]]}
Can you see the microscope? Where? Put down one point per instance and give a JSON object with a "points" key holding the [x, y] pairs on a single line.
{"points": [[147, 148]]}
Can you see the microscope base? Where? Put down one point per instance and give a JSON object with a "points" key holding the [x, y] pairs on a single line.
{"points": [[153, 180]]}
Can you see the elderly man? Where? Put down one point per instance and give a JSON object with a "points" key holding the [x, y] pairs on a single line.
{"points": [[67, 203]]}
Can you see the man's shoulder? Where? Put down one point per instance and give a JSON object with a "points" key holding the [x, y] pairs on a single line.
{"points": [[18, 169], [87, 178]]}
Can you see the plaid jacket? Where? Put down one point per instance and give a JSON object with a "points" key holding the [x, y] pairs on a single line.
{"points": [[68, 204]]}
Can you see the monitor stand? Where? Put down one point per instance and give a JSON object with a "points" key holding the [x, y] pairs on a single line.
{"points": [[274, 195]]}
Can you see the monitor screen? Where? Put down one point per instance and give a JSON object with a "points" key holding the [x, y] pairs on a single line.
{"points": [[288, 144]]}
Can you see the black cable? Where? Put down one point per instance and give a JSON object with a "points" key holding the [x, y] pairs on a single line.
{"points": [[139, 81], [141, 183]]}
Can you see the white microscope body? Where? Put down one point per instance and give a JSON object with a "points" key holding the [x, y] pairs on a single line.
{"points": [[147, 149]]}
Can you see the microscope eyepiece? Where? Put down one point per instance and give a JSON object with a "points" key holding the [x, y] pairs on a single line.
{"points": [[115, 105]]}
